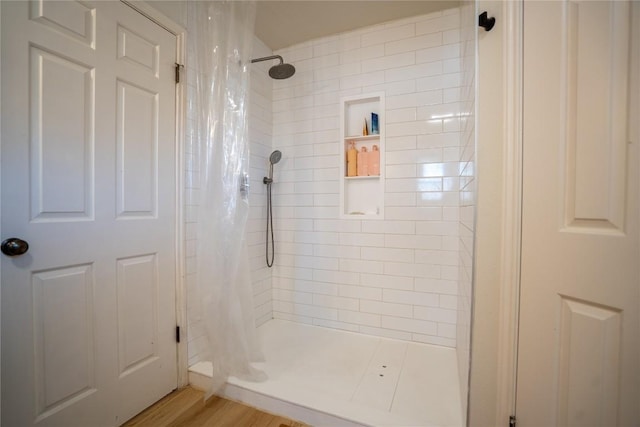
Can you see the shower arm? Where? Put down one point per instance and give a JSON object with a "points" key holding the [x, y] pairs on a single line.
{"points": [[268, 58]]}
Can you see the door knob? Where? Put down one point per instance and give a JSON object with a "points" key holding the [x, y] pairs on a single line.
{"points": [[14, 247]]}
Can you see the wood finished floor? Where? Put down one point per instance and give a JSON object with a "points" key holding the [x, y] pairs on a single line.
{"points": [[186, 408]]}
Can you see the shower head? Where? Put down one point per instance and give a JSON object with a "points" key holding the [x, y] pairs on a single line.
{"points": [[280, 71], [275, 157]]}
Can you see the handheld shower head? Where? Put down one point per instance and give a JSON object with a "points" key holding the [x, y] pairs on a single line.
{"points": [[280, 71], [273, 159]]}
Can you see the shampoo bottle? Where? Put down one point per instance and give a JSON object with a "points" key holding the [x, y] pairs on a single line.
{"points": [[363, 162], [374, 161], [352, 155]]}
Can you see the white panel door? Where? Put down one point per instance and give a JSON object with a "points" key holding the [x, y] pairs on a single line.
{"points": [[88, 180], [579, 349]]}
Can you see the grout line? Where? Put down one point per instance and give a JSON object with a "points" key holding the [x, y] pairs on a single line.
{"points": [[404, 358], [373, 355]]}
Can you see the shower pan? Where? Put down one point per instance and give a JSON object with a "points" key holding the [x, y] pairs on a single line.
{"points": [[342, 379]]}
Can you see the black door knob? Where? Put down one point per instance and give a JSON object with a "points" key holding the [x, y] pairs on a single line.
{"points": [[14, 247]]}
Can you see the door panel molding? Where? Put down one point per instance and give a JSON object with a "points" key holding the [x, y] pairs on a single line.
{"points": [[588, 352], [55, 162], [137, 152], [595, 50], [138, 50], [73, 19], [137, 288], [65, 334]]}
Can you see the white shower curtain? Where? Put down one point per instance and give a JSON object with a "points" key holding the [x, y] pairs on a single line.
{"points": [[220, 41]]}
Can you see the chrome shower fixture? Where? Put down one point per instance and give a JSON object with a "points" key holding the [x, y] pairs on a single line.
{"points": [[280, 71], [273, 159]]}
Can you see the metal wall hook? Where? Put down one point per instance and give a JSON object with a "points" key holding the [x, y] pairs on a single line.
{"points": [[485, 22]]}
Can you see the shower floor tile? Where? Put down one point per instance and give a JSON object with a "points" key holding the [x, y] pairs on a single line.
{"points": [[361, 379]]}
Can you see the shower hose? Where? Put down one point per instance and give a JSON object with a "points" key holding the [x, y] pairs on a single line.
{"points": [[269, 228]]}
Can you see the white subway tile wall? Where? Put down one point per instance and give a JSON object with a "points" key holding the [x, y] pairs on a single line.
{"points": [[260, 139], [396, 277], [467, 194], [260, 129]]}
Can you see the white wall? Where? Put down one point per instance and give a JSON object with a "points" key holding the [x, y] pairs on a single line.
{"points": [[396, 277], [260, 128], [176, 10]]}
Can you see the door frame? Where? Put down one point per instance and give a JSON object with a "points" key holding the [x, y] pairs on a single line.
{"points": [[512, 179], [0, 207], [496, 302], [180, 32]]}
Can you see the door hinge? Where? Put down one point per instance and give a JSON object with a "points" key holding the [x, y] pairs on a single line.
{"points": [[512, 421], [178, 67], [177, 333]]}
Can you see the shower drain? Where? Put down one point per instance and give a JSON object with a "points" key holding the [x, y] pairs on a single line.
{"points": [[384, 367]]}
